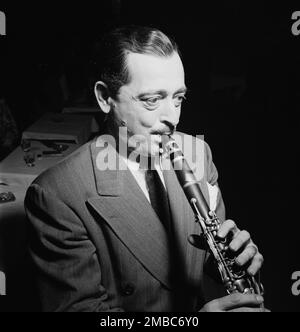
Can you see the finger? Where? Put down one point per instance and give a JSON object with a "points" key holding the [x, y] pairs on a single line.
{"points": [[247, 255], [238, 300], [226, 227], [240, 240], [256, 264]]}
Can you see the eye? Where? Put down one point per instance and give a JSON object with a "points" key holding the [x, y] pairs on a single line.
{"points": [[152, 102], [179, 99]]}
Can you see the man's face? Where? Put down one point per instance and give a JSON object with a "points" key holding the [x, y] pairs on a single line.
{"points": [[150, 104]]}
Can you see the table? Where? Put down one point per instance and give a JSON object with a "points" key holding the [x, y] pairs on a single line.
{"points": [[16, 177], [59, 126], [12, 235], [13, 168]]}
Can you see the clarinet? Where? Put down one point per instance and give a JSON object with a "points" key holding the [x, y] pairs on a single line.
{"points": [[234, 279]]}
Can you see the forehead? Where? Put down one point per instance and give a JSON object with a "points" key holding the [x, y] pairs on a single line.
{"points": [[155, 72]]}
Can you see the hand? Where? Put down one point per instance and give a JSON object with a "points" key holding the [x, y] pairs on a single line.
{"points": [[242, 243], [236, 302]]}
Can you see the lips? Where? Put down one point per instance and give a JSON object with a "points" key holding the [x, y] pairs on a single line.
{"points": [[162, 133]]}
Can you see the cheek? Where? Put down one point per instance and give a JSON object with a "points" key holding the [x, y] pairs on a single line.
{"points": [[137, 117], [128, 113], [142, 119], [149, 119]]}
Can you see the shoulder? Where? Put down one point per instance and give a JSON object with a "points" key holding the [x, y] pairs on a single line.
{"points": [[74, 168]]}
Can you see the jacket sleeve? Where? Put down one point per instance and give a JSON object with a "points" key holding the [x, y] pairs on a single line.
{"points": [[67, 270], [212, 284], [212, 173], [212, 178]]}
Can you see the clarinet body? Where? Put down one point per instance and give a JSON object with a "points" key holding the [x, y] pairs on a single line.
{"points": [[234, 279]]}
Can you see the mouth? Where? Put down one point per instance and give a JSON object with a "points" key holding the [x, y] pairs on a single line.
{"points": [[159, 133]]}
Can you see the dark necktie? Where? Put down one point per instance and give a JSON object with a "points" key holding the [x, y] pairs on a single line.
{"points": [[158, 197]]}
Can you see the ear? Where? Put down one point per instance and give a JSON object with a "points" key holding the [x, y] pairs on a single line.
{"points": [[102, 96]]}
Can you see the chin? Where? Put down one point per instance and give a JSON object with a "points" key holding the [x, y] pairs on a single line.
{"points": [[148, 146], [149, 152]]}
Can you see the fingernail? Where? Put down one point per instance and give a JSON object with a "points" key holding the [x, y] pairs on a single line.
{"points": [[220, 235], [251, 273], [259, 298], [239, 261]]}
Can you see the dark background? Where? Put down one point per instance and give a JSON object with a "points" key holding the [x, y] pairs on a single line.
{"points": [[243, 71]]}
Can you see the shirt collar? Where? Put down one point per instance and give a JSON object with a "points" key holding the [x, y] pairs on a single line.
{"points": [[143, 164]]}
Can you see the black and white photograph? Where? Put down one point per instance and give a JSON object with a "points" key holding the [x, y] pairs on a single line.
{"points": [[149, 159]]}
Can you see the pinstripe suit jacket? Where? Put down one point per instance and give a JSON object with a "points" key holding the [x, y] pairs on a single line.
{"points": [[97, 244]]}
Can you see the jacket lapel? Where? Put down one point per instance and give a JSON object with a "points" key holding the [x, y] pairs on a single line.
{"points": [[124, 207], [189, 257]]}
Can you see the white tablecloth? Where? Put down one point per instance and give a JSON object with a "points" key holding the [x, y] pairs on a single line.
{"points": [[13, 168], [16, 176]]}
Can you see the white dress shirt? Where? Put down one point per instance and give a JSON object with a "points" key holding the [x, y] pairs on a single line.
{"points": [[139, 174]]}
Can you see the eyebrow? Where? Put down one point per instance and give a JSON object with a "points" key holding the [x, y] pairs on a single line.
{"points": [[160, 92]]}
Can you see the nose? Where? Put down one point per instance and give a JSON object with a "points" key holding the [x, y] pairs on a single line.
{"points": [[170, 114]]}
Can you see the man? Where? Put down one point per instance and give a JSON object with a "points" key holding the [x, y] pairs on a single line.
{"points": [[99, 240]]}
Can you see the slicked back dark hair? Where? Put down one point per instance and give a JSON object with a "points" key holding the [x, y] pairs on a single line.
{"points": [[118, 43]]}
